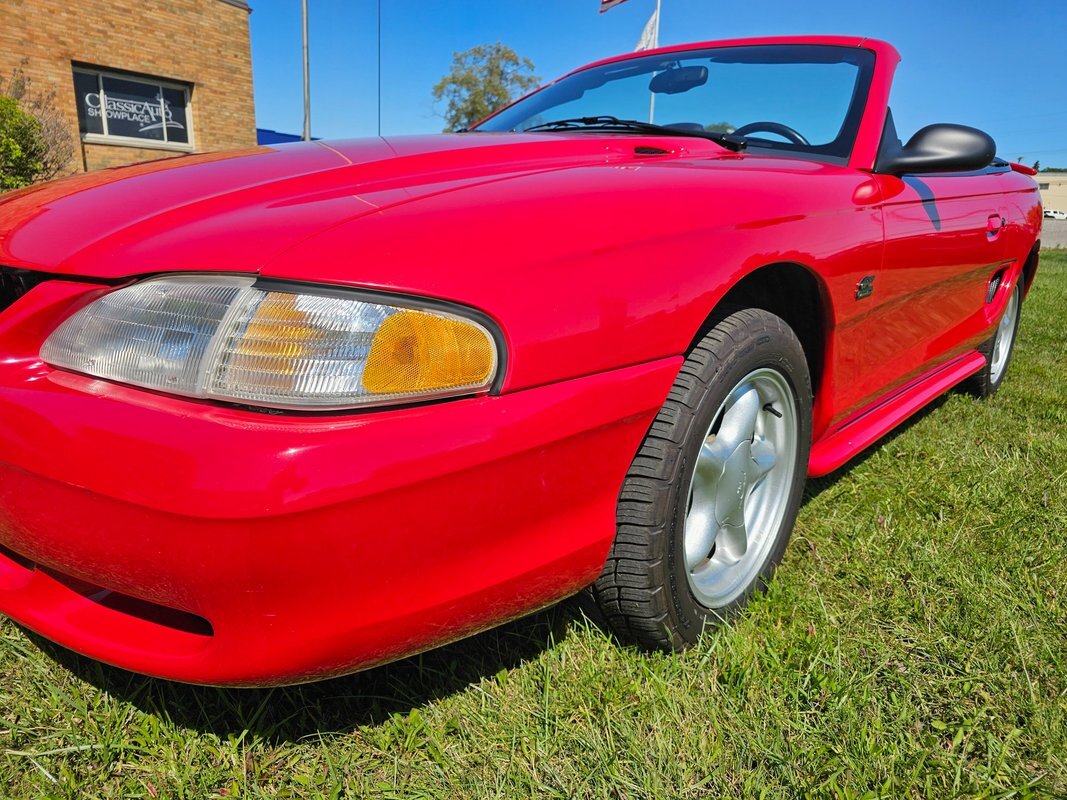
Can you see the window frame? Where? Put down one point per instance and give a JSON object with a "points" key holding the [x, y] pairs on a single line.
{"points": [[132, 141]]}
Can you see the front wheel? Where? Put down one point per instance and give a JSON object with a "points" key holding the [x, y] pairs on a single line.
{"points": [[707, 507]]}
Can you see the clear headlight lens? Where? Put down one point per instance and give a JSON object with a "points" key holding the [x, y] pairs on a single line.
{"points": [[225, 339]]}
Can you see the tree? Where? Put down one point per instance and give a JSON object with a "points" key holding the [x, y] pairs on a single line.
{"points": [[35, 142], [483, 79], [1037, 166]]}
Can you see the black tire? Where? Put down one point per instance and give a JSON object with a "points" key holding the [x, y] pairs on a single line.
{"points": [[644, 591], [985, 382]]}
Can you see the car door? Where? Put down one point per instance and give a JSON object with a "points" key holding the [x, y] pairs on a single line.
{"points": [[943, 244]]}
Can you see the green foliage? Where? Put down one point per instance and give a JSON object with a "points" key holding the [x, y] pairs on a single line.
{"points": [[482, 80], [913, 644], [36, 143], [719, 127], [21, 146]]}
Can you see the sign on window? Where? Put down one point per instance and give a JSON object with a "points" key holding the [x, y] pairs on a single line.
{"points": [[130, 108]]}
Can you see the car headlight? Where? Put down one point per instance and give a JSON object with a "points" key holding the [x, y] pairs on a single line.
{"points": [[279, 345]]}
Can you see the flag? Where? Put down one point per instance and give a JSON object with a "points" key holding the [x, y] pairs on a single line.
{"points": [[607, 5], [650, 35]]}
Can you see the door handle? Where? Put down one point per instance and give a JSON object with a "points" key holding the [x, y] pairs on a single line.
{"points": [[994, 226]]}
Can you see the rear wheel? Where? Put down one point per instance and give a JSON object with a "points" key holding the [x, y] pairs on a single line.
{"points": [[709, 502], [998, 349]]}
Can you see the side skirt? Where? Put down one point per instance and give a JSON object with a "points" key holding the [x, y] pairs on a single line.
{"points": [[874, 422]]}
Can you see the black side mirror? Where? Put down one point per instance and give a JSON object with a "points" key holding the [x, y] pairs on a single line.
{"points": [[937, 148]]}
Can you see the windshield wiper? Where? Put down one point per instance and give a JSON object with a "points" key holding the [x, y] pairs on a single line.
{"points": [[608, 122]]}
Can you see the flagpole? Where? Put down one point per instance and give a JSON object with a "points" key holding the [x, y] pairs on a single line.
{"points": [[379, 67], [655, 44], [307, 76]]}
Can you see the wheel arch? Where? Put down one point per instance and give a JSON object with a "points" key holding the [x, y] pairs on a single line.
{"points": [[1030, 267], [788, 290]]}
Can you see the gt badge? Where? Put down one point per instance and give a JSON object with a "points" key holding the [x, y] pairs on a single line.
{"points": [[865, 288]]}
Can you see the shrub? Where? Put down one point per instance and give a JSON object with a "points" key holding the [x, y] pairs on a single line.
{"points": [[21, 146], [35, 141]]}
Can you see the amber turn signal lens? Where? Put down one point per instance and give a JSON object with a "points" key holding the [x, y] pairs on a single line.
{"points": [[415, 352], [285, 346]]}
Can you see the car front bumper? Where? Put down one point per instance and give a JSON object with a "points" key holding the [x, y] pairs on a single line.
{"points": [[216, 545]]}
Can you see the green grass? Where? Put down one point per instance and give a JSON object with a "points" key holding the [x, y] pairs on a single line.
{"points": [[913, 644]]}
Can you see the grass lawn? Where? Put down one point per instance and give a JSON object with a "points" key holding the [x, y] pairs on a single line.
{"points": [[914, 644]]}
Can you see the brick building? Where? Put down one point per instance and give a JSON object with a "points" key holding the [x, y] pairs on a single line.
{"points": [[137, 79]]}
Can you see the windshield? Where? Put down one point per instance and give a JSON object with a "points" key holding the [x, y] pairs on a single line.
{"points": [[797, 99]]}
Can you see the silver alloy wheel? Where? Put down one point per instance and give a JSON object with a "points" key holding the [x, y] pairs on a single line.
{"points": [[740, 487], [1005, 337]]}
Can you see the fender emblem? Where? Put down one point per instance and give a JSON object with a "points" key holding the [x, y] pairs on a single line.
{"points": [[865, 288]]}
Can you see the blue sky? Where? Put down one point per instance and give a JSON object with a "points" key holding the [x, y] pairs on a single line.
{"points": [[978, 62]]}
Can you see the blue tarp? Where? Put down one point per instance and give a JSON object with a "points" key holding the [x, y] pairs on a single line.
{"points": [[267, 136]]}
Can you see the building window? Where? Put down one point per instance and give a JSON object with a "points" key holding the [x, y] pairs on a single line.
{"points": [[1042, 186], [131, 110]]}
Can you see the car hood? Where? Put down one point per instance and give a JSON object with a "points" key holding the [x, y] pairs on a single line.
{"points": [[236, 211]]}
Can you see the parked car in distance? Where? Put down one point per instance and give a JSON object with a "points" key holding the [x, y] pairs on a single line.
{"points": [[281, 414], [1053, 214]]}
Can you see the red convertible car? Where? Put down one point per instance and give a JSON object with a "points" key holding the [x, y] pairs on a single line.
{"points": [[280, 414]]}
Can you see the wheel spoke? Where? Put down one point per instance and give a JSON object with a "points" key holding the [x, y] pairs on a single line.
{"points": [[765, 456], [711, 460], [731, 543], [701, 528], [739, 420]]}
